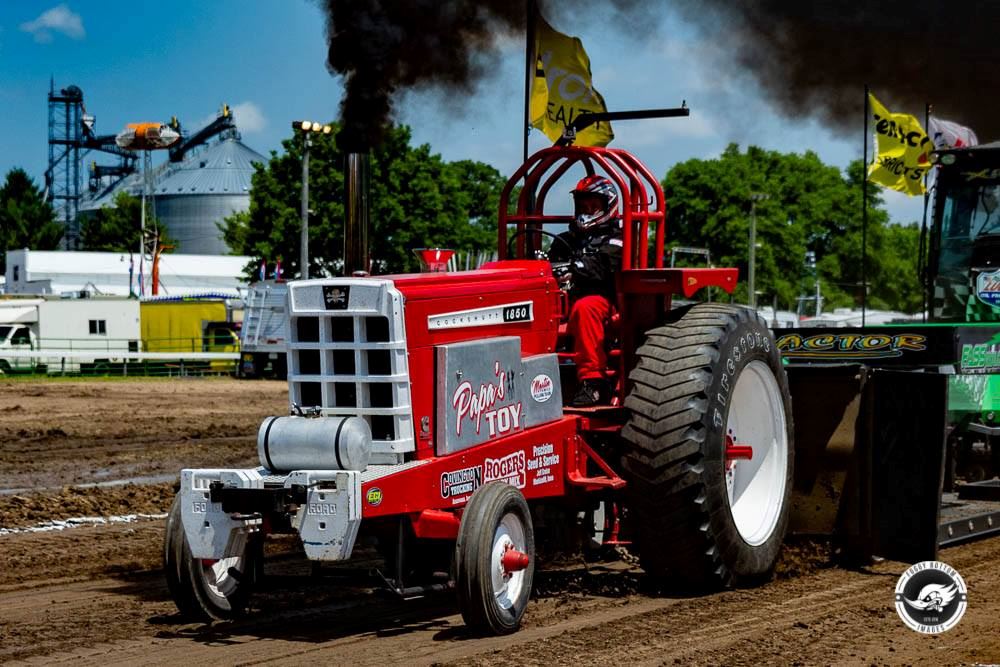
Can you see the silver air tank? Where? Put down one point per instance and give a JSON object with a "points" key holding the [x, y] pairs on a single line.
{"points": [[314, 443]]}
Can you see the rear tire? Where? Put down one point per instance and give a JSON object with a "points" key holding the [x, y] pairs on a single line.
{"points": [[705, 521], [492, 600], [207, 590]]}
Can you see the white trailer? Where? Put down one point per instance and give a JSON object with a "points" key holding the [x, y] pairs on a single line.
{"points": [[65, 335], [263, 337]]}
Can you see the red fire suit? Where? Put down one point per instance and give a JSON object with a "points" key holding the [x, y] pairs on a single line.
{"points": [[592, 265]]}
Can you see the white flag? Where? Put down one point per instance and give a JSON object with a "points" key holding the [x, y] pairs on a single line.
{"points": [[946, 134]]}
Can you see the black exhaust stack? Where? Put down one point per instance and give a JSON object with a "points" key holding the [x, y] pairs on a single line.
{"points": [[357, 175]]}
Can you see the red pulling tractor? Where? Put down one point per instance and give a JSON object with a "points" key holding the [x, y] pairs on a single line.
{"points": [[428, 414]]}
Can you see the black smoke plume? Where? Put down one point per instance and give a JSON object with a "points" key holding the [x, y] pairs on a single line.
{"points": [[813, 58], [383, 47]]}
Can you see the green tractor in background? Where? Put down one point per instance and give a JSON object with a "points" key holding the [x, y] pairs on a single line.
{"points": [[962, 279], [896, 425], [974, 413]]}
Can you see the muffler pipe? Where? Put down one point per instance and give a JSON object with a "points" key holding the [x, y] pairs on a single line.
{"points": [[357, 175]]}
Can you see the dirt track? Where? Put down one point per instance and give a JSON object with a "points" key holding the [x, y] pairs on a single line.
{"points": [[93, 594]]}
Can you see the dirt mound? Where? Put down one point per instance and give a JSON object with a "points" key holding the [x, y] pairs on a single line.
{"points": [[55, 433], [21, 511]]}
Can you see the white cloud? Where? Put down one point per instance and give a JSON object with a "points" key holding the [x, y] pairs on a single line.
{"points": [[249, 118], [58, 19]]}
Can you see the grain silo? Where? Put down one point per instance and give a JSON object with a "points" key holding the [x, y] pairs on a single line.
{"points": [[205, 180], [192, 197]]}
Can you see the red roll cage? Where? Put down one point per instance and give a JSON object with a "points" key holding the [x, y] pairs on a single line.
{"points": [[643, 205]]}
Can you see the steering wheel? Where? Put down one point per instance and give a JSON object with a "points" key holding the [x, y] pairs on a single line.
{"points": [[539, 254]]}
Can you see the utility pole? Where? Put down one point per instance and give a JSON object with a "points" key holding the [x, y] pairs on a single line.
{"points": [[304, 243], [306, 127], [754, 198], [142, 220], [817, 297]]}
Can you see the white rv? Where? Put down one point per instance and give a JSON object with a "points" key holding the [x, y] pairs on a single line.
{"points": [[65, 335]]}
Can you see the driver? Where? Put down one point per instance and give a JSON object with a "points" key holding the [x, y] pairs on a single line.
{"points": [[595, 237]]}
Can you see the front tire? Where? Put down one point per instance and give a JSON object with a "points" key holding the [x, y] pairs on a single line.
{"points": [[703, 386], [493, 597], [208, 590]]}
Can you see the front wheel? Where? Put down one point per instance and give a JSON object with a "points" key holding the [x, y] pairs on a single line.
{"points": [[709, 448], [495, 557], [209, 589]]}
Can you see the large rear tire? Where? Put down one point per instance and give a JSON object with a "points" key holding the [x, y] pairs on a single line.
{"points": [[496, 525], [703, 385], [208, 590]]}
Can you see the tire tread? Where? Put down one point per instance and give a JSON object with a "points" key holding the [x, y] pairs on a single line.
{"points": [[664, 440]]}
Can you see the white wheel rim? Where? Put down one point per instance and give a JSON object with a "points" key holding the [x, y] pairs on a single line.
{"points": [[509, 534], [217, 577], [756, 487]]}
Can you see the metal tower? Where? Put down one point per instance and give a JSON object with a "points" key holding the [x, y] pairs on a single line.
{"points": [[71, 137], [62, 179]]}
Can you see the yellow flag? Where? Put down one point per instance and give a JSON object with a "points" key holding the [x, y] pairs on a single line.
{"points": [[562, 87], [902, 150]]}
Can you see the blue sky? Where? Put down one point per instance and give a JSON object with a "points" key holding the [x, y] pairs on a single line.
{"points": [[139, 61]]}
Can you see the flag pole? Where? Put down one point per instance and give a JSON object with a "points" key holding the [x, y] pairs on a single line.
{"points": [[922, 250], [864, 218], [529, 68]]}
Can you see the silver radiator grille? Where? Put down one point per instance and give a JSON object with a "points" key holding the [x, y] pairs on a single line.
{"points": [[347, 356]]}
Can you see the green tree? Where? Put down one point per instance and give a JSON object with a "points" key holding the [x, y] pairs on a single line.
{"points": [[26, 219], [808, 207], [416, 200], [893, 283], [117, 228], [896, 283]]}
